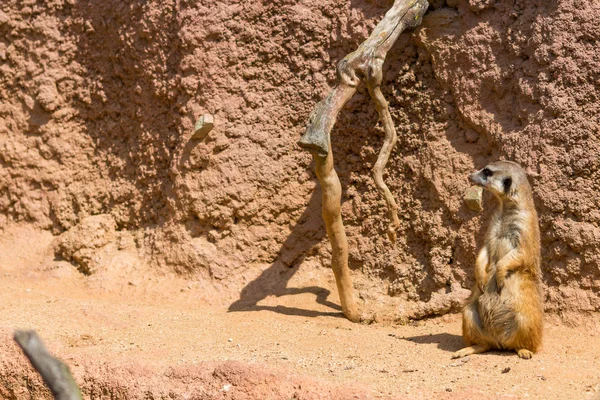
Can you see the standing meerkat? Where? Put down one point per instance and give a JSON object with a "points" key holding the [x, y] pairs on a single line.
{"points": [[505, 310]]}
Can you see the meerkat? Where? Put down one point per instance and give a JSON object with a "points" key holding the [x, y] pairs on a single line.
{"points": [[505, 310]]}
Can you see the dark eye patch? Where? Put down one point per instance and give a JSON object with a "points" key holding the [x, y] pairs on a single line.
{"points": [[487, 172], [507, 183]]}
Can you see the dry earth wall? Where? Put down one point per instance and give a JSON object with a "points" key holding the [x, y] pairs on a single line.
{"points": [[97, 99]]}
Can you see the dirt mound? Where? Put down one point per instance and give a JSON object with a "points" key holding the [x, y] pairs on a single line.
{"points": [[229, 380], [96, 98]]}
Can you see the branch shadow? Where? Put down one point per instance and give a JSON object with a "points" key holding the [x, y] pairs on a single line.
{"points": [[273, 281], [444, 341]]}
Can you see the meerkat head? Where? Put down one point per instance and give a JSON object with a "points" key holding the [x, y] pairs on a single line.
{"points": [[503, 178]]}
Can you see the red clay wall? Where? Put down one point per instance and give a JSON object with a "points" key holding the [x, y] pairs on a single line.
{"points": [[95, 96]]}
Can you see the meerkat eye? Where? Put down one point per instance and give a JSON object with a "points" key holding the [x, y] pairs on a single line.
{"points": [[507, 183], [487, 172]]}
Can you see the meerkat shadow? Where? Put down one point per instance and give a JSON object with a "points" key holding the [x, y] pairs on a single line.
{"points": [[445, 341]]}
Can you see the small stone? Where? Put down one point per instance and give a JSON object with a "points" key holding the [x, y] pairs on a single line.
{"points": [[505, 370], [473, 198], [230, 340], [461, 362], [368, 318], [204, 125], [89, 27]]}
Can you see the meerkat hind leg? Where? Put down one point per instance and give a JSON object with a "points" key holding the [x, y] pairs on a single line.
{"points": [[524, 353], [467, 351]]}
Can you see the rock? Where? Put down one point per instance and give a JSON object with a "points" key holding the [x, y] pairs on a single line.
{"points": [[204, 125], [81, 244], [473, 198]]}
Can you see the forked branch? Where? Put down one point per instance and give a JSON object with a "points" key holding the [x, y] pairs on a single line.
{"points": [[364, 64]]}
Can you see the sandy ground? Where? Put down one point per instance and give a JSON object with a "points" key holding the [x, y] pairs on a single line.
{"points": [[136, 331]]}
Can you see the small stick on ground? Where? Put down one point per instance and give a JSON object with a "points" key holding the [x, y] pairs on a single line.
{"points": [[55, 373], [366, 63]]}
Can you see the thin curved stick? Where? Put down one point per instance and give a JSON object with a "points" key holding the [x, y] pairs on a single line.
{"points": [[388, 146]]}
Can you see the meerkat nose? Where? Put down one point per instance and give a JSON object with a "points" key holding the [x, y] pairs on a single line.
{"points": [[476, 178]]}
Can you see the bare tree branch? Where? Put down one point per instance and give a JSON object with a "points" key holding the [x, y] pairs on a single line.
{"points": [[366, 63], [55, 373]]}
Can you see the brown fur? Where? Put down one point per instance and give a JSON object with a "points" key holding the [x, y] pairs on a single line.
{"points": [[505, 310]]}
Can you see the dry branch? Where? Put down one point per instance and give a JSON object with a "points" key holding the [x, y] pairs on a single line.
{"points": [[55, 373], [364, 64]]}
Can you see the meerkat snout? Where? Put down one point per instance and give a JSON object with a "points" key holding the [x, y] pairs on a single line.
{"points": [[480, 177]]}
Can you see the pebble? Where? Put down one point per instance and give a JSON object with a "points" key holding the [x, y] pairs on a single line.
{"points": [[204, 125], [473, 198]]}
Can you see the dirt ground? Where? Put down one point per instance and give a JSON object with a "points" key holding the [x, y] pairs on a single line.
{"points": [[153, 338]]}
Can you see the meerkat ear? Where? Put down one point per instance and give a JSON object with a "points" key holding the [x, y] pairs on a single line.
{"points": [[507, 183]]}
